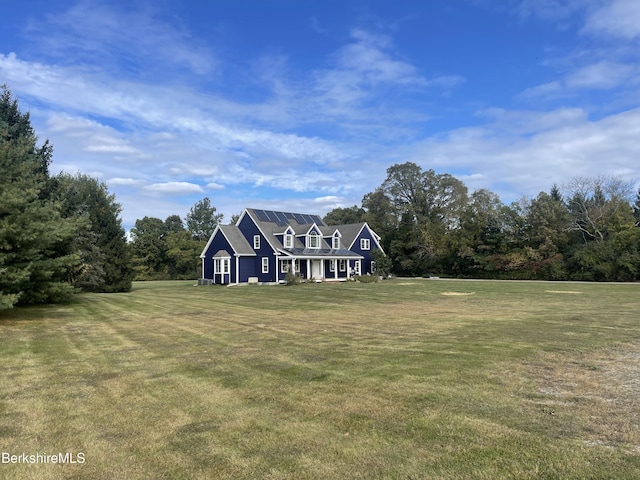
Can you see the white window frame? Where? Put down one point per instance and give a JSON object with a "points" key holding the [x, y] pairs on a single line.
{"points": [[342, 265], [256, 242], [335, 243], [373, 266], [221, 266], [313, 238], [288, 240], [332, 265], [265, 264], [284, 266], [365, 244], [357, 270]]}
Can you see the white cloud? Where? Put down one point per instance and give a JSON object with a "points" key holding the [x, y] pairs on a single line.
{"points": [[176, 188], [616, 18], [214, 186], [514, 165]]}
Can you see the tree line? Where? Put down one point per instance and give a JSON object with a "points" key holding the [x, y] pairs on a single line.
{"points": [[431, 225]]}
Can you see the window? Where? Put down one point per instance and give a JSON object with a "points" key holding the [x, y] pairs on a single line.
{"points": [[288, 240], [221, 265], [357, 267], [314, 240], [373, 266], [365, 244], [335, 243], [285, 266], [332, 265], [343, 265], [256, 242], [265, 264]]}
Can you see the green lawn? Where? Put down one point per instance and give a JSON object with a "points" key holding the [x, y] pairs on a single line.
{"points": [[403, 379]]}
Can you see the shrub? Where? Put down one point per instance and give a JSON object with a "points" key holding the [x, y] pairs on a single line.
{"points": [[291, 278]]}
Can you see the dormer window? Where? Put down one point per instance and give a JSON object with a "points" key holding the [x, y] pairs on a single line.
{"points": [[335, 243], [288, 240], [313, 240]]}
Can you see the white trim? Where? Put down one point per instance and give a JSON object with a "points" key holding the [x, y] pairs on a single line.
{"points": [[357, 268], [256, 242], [365, 244], [335, 243], [265, 265]]}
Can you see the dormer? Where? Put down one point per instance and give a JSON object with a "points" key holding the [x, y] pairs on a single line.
{"points": [[313, 237], [288, 237], [336, 240]]}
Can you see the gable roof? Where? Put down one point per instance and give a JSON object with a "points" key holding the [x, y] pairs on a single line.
{"points": [[272, 225], [234, 236]]}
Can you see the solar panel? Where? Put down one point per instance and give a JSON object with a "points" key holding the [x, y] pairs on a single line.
{"points": [[262, 216], [299, 218], [289, 215], [281, 219], [269, 215]]}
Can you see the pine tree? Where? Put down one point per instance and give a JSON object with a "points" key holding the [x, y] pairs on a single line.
{"points": [[32, 231]]}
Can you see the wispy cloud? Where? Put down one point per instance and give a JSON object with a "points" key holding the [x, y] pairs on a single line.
{"points": [[101, 34], [615, 18]]}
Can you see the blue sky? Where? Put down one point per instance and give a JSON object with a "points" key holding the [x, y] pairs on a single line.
{"points": [[302, 105]]}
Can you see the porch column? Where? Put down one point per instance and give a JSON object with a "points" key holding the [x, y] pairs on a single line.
{"points": [[322, 269], [336, 268], [308, 269]]}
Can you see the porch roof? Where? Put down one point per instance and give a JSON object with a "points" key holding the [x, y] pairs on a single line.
{"points": [[327, 253]]}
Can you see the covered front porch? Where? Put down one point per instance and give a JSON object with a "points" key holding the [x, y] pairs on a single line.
{"points": [[320, 268]]}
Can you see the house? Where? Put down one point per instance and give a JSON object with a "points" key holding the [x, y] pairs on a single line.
{"points": [[264, 245]]}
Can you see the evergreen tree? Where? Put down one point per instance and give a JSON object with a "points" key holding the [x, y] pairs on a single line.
{"points": [[32, 231], [106, 257]]}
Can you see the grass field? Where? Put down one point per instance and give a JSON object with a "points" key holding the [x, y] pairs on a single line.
{"points": [[404, 379]]}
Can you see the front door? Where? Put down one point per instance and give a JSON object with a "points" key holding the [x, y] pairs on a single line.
{"points": [[316, 269]]}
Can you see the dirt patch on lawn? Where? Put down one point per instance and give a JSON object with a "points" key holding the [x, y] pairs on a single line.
{"points": [[594, 396]]}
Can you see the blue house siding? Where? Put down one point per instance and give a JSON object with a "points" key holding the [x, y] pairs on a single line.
{"points": [[249, 230], [247, 268], [365, 263], [219, 243]]}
